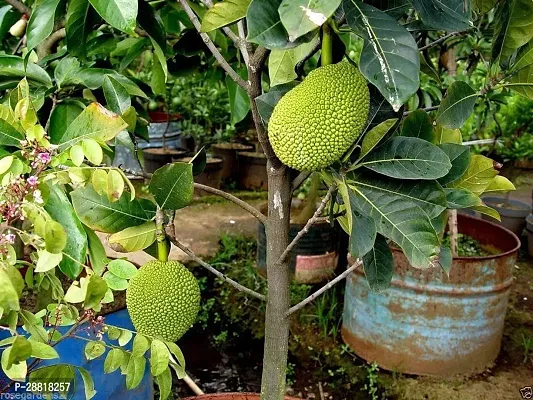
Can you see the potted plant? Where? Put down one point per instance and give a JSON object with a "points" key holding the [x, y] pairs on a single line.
{"points": [[381, 179]]}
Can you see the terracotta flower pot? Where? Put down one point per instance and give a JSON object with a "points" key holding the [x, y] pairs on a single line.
{"points": [[231, 396]]}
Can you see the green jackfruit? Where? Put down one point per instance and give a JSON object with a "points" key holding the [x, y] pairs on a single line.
{"points": [[315, 123], [163, 300]]}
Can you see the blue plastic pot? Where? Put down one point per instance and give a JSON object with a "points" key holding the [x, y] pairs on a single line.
{"points": [[108, 386]]}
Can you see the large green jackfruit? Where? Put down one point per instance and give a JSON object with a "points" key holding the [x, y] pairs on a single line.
{"points": [[163, 300], [315, 123]]}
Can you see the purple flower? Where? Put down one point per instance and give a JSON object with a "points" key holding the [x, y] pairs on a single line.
{"points": [[43, 157], [10, 238], [33, 181]]}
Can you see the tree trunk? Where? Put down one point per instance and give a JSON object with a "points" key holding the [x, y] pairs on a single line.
{"points": [[278, 298]]}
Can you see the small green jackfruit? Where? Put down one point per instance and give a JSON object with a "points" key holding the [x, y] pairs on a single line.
{"points": [[315, 123], [163, 300]]}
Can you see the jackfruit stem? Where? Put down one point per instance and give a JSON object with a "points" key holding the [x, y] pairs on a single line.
{"points": [[326, 56], [162, 246]]}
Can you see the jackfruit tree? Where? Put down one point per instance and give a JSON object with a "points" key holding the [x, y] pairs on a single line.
{"points": [[366, 97]]}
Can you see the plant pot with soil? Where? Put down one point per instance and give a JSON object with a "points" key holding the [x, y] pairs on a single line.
{"points": [[529, 231], [253, 174], [428, 323], [512, 212], [228, 152]]}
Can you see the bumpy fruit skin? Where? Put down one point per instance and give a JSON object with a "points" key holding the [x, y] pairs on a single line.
{"points": [[163, 300], [314, 124]]}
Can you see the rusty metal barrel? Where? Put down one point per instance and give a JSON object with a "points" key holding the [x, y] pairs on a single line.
{"points": [[429, 324]]}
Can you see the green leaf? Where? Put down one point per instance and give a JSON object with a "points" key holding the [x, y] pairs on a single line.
{"points": [[446, 259], [96, 290], [445, 135], [400, 220], [88, 383], [140, 345], [408, 158], [20, 351], [58, 373], [33, 325], [133, 52], [15, 372], [418, 124], [173, 186], [99, 214], [47, 260], [514, 28], [461, 198], [267, 101], [96, 250], [378, 265], [159, 357], [43, 351], [478, 176], [67, 67], [522, 82], [389, 59], [459, 156], [524, 58], [164, 382], [41, 23], [93, 78], [94, 122], [224, 13], [114, 282], [122, 268], [282, 63], [265, 27], [113, 360], [77, 27], [238, 99], [483, 209], [115, 185], [159, 71], [10, 130], [375, 135], [483, 6], [448, 15], [55, 237], [135, 238], [500, 184], [63, 115], [302, 16], [117, 97], [176, 351], [120, 14], [135, 372], [76, 155], [152, 24], [362, 236], [60, 209], [8, 17], [92, 151], [13, 67], [457, 105], [124, 338], [94, 349]]}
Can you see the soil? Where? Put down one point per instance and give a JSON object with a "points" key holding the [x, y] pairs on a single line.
{"points": [[234, 146], [163, 151]]}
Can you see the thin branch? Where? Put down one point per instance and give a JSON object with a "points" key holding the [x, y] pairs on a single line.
{"points": [[300, 179], [45, 48], [216, 272], [427, 109], [19, 6], [440, 40], [252, 210], [308, 225], [323, 289], [209, 43]]}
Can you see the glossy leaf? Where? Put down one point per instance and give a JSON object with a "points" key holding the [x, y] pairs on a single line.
{"points": [[13, 67], [135, 238], [152, 24], [114, 282], [93, 78], [94, 349], [478, 176], [238, 98], [408, 158], [457, 105], [281, 63], [418, 124], [63, 115], [362, 236], [43, 351], [98, 213], [446, 259], [389, 59], [117, 97], [77, 27], [522, 82], [47, 261], [448, 15], [224, 13], [378, 265], [302, 16], [55, 237], [20, 351], [445, 135], [459, 156], [61, 210], [140, 345], [96, 251], [122, 268], [500, 184], [120, 14], [124, 338], [113, 360], [94, 122], [524, 58], [15, 372], [96, 290], [88, 383], [159, 357], [115, 185], [164, 383], [41, 23], [66, 68], [172, 186], [135, 372], [514, 28], [11, 133], [267, 101], [92, 151], [374, 136], [483, 209], [461, 198], [159, 70]]}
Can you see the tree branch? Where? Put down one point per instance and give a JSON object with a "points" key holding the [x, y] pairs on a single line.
{"points": [[300, 179], [442, 39], [216, 272], [19, 6], [45, 48], [209, 43], [323, 289], [252, 210], [308, 225]]}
